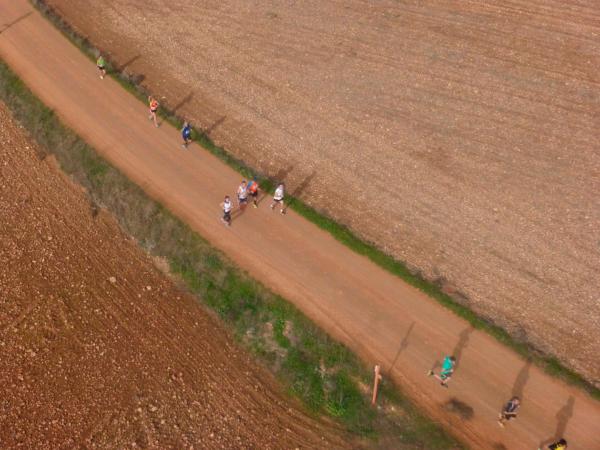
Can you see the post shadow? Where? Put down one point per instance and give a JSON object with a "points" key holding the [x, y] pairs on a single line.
{"points": [[403, 345], [521, 380], [463, 341], [563, 416]]}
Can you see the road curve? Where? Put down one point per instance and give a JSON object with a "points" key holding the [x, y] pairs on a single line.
{"points": [[376, 314]]}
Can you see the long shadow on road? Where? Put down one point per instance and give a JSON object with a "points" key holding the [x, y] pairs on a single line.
{"points": [[563, 416]]}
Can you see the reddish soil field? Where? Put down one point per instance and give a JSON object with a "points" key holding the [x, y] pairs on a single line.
{"points": [[92, 361], [461, 138]]}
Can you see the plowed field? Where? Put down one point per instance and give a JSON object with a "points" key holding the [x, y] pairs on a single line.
{"points": [[461, 138], [99, 349]]}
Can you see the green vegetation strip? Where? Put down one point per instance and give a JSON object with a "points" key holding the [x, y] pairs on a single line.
{"points": [[132, 83], [325, 375]]}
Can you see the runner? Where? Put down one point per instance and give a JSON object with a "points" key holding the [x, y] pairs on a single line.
{"points": [[101, 65], [227, 207], [186, 134], [242, 195], [510, 411], [153, 104], [253, 191], [278, 198], [558, 445], [446, 372]]}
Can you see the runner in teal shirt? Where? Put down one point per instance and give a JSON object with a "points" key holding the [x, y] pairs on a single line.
{"points": [[446, 372]]}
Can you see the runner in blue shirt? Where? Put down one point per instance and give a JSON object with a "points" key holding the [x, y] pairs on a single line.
{"points": [[186, 134], [509, 411]]}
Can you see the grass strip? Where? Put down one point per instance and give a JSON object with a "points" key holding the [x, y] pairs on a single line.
{"points": [[343, 234], [324, 374]]}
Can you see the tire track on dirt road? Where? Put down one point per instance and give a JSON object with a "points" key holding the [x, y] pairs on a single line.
{"points": [[356, 301]]}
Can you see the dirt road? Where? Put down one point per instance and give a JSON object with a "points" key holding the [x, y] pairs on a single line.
{"points": [[374, 313], [475, 123], [99, 349]]}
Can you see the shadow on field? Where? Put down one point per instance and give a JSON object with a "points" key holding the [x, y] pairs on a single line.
{"points": [[215, 124], [127, 63], [182, 102], [16, 21]]}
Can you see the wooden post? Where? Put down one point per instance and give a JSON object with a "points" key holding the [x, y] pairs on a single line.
{"points": [[376, 381]]}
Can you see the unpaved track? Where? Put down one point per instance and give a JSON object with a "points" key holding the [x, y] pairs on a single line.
{"points": [[353, 299], [90, 362], [460, 137]]}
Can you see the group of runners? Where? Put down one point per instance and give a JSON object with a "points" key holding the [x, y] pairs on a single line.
{"points": [[251, 189], [245, 189], [509, 410]]}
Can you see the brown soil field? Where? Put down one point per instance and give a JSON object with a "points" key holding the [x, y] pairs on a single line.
{"points": [[460, 138], [92, 361]]}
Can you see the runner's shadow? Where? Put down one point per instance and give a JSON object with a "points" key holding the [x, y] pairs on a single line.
{"points": [[281, 175], [122, 67], [261, 196], [237, 212], [521, 380], [212, 128], [435, 365], [463, 341], [403, 345], [303, 186], [183, 101], [16, 21], [563, 416], [299, 190]]}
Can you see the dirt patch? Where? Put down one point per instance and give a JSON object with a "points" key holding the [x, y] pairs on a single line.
{"points": [[99, 349], [474, 125]]}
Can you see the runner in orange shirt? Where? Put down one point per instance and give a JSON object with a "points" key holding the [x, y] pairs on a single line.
{"points": [[253, 191], [153, 104]]}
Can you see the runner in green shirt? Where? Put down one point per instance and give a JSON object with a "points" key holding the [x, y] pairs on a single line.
{"points": [[101, 64]]}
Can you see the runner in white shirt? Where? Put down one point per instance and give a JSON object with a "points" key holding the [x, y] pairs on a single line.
{"points": [[242, 195], [278, 198], [227, 206]]}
